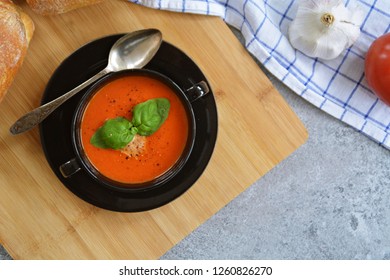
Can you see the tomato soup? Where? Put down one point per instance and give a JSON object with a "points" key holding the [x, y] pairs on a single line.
{"points": [[159, 152]]}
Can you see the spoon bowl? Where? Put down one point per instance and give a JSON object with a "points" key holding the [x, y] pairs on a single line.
{"points": [[132, 51]]}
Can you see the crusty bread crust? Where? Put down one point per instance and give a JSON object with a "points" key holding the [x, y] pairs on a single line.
{"points": [[16, 31], [51, 7]]}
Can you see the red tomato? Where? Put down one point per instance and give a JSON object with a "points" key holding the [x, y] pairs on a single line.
{"points": [[377, 67]]}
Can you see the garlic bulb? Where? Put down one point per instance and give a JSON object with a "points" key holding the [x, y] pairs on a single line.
{"points": [[324, 28]]}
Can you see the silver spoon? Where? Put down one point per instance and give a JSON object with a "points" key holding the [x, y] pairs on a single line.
{"points": [[131, 51]]}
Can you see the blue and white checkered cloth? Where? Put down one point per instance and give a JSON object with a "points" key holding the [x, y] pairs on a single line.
{"points": [[338, 86]]}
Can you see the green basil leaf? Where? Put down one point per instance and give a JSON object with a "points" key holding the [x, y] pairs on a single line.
{"points": [[115, 134], [150, 115], [97, 140]]}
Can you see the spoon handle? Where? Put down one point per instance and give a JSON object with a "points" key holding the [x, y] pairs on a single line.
{"points": [[37, 115]]}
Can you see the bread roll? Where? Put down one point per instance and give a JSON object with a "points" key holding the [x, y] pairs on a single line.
{"points": [[51, 7], [16, 30]]}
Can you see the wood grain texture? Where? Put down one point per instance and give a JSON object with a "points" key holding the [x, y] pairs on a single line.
{"points": [[41, 219]]}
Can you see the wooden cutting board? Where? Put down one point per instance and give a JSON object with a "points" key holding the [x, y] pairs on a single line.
{"points": [[41, 219]]}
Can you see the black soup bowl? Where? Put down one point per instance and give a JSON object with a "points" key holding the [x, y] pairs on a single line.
{"points": [[82, 162]]}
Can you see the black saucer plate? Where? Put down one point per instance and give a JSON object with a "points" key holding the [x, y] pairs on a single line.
{"points": [[56, 138]]}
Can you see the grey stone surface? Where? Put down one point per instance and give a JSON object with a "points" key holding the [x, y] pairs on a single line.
{"points": [[4, 254], [329, 200]]}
